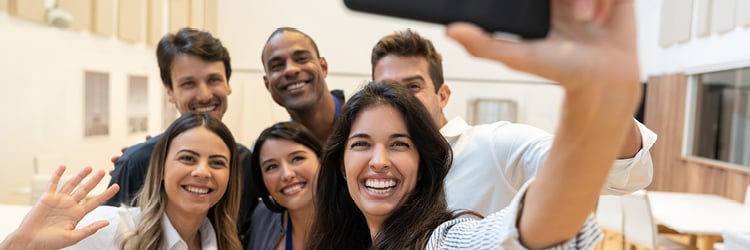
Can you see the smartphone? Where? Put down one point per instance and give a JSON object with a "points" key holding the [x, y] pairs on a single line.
{"points": [[526, 18]]}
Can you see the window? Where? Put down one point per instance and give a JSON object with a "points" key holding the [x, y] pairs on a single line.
{"points": [[96, 104], [721, 128], [487, 111]]}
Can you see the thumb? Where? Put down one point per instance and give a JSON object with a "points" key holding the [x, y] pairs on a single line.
{"points": [[482, 44], [82, 233]]}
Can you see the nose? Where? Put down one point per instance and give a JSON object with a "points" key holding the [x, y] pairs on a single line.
{"points": [[287, 174], [203, 92], [292, 68], [202, 170], [379, 160]]}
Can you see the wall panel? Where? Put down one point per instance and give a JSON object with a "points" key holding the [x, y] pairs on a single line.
{"points": [[29, 10], [210, 14], [179, 14], [3, 5], [80, 10], [132, 20], [676, 17], [722, 15], [156, 21], [104, 17]]}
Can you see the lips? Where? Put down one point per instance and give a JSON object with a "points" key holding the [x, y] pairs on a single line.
{"points": [[380, 186], [197, 189], [206, 108], [293, 188]]}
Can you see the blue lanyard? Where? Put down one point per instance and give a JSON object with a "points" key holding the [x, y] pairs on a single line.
{"points": [[288, 232]]}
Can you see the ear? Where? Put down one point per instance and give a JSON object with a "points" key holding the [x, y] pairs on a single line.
{"points": [[265, 81], [323, 66], [444, 94], [170, 95]]}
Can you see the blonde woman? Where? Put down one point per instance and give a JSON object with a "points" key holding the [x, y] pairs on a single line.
{"points": [[190, 199]]}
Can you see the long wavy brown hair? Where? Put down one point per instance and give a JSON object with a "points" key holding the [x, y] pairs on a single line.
{"points": [[153, 199]]}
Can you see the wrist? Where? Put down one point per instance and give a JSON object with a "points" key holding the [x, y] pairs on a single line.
{"points": [[15, 240]]}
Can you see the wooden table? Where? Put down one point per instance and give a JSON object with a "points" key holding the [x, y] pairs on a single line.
{"points": [[703, 216]]}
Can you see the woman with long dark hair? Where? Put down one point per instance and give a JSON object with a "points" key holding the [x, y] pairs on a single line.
{"points": [[285, 164]]}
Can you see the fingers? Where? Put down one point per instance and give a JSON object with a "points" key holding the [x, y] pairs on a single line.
{"points": [[71, 184], [81, 233], [56, 179], [84, 189], [481, 44], [101, 198]]}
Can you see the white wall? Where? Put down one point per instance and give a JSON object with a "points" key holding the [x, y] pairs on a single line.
{"points": [[42, 71]]}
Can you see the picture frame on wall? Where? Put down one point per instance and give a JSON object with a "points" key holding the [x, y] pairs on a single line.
{"points": [[486, 111], [96, 104], [137, 104]]}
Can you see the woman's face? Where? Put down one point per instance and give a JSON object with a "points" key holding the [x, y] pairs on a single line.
{"points": [[196, 172], [380, 162], [290, 171]]}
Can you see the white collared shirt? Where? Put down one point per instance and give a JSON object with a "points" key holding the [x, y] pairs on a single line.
{"points": [[124, 220], [492, 161]]}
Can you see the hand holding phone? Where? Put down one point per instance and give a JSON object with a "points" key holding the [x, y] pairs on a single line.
{"points": [[526, 18]]}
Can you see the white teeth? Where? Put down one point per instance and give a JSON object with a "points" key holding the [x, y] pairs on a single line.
{"points": [[206, 109], [380, 184], [197, 190], [292, 189], [295, 86]]}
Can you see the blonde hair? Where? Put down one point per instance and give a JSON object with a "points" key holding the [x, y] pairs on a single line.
{"points": [[153, 198]]}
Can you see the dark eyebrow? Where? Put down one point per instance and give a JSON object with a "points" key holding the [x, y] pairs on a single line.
{"points": [[188, 151], [359, 135], [416, 77], [184, 79], [397, 135], [219, 156], [302, 53]]}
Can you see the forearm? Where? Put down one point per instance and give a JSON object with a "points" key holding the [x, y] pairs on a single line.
{"points": [[594, 124]]}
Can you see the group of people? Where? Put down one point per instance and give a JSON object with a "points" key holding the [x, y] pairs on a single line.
{"points": [[385, 169]]}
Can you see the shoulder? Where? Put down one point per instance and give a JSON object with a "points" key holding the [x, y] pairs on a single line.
{"points": [[265, 218], [139, 152], [121, 221]]}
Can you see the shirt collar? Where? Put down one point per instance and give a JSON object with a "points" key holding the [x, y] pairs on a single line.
{"points": [[175, 242], [454, 128]]}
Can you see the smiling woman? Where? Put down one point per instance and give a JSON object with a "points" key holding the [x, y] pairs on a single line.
{"points": [[193, 173]]}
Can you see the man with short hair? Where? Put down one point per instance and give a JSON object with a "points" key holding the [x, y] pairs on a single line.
{"points": [[195, 70], [295, 77], [482, 152]]}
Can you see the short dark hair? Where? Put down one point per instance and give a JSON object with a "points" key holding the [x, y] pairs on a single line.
{"points": [[190, 41], [425, 208], [280, 30], [291, 131], [410, 43]]}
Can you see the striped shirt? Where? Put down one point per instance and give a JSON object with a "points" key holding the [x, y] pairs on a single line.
{"points": [[499, 231]]}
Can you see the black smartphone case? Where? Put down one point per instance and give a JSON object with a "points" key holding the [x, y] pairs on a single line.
{"points": [[527, 18]]}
